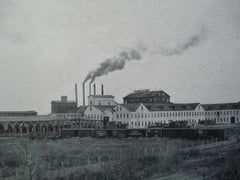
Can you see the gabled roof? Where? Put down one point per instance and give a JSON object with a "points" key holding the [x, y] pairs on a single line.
{"points": [[221, 106], [81, 109], [28, 118], [102, 96], [31, 111], [144, 94], [104, 108], [131, 107], [171, 107]]}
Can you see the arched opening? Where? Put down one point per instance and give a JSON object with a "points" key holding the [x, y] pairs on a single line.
{"points": [[50, 128], [30, 128], [38, 128], [44, 128], [24, 129], [17, 128], [10, 129]]}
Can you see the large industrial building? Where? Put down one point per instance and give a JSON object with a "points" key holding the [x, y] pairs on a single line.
{"points": [[63, 106], [144, 108], [139, 110], [147, 96]]}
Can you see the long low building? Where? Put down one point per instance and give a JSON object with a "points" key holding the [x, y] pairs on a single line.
{"points": [[144, 114], [44, 125]]}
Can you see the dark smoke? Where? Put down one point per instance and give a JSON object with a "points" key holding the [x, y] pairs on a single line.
{"points": [[113, 64], [118, 63], [181, 48]]}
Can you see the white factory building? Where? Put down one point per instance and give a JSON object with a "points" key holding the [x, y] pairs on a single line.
{"points": [[142, 114]]}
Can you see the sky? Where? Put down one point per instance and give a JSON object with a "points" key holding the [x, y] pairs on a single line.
{"points": [[47, 46]]}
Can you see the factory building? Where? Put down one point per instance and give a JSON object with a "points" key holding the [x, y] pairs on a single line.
{"points": [[101, 100], [144, 114], [225, 113], [100, 106], [147, 96], [63, 106], [100, 113]]}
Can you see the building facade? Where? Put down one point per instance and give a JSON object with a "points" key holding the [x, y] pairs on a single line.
{"points": [[147, 96], [142, 115], [101, 100], [63, 106], [225, 113], [100, 113]]}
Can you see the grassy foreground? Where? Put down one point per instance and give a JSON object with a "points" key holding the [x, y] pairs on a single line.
{"points": [[89, 158]]}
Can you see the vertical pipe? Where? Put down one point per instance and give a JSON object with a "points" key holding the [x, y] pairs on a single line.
{"points": [[94, 89], [90, 89], [76, 94], [102, 90], [83, 94]]}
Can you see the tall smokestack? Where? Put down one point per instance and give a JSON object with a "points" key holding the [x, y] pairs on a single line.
{"points": [[90, 89], [83, 94], [102, 90], [94, 89], [76, 94]]}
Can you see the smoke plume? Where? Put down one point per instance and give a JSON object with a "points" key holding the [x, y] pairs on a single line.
{"points": [[113, 64], [181, 48], [119, 62]]}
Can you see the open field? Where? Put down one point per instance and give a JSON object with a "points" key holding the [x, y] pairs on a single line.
{"points": [[131, 158]]}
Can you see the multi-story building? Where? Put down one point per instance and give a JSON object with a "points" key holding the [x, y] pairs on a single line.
{"points": [[101, 107], [101, 100], [141, 115], [224, 113], [147, 96], [63, 106], [144, 108]]}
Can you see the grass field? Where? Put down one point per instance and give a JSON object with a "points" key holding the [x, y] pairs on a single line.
{"points": [[132, 158]]}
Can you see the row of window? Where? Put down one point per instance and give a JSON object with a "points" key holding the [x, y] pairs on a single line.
{"points": [[146, 123], [94, 116], [155, 99], [69, 116], [218, 113], [157, 115]]}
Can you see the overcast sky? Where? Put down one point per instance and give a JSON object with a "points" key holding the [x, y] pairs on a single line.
{"points": [[46, 46]]}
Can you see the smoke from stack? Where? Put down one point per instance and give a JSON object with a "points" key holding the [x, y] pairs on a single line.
{"points": [[113, 64], [181, 48], [119, 62]]}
